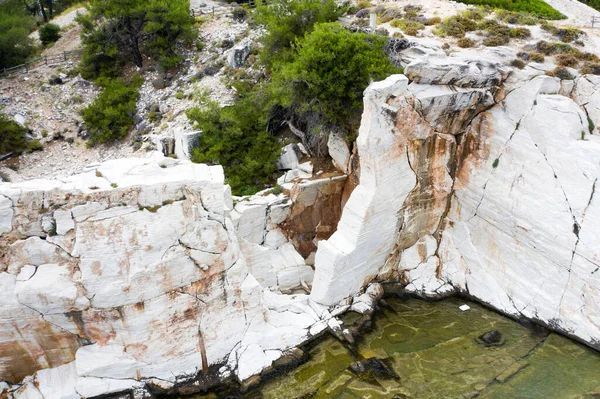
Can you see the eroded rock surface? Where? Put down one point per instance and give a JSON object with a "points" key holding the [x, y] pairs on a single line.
{"points": [[142, 275], [476, 189]]}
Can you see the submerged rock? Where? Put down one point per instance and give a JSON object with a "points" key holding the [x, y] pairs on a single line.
{"points": [[373, 367], [493, 337]]}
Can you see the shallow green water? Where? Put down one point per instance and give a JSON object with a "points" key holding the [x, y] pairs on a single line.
{"points": [[433, 349]]}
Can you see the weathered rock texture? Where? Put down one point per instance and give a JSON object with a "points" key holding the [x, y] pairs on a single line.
{"points": [[468, 189], [142, 275]]}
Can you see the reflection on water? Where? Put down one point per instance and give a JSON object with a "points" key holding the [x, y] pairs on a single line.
{"points": [[432, 350]]}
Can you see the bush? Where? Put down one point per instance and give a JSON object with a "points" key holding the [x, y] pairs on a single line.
{"points": [[15, 44], [517, 63], [331, 68], [455, 26], [590, 68], [465, 42], [287, 20], [567, 60], [49, 33], [519, 33], [12, 136], [179, 95], [364, 4], [556, 48], [566, 35], [497, 40], [538, 8], [536, 57], [515, 18], [110, 116], [35, 145], [433, 21], [235, 137], [239, 14], [408, 27], [562, 73]]}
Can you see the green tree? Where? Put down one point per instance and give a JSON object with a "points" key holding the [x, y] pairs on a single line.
{"points": [[330, 70], [236, 138], [49, 33], [12, 136], [111, 114], [15, 44], [287, 20], [114, 30]]}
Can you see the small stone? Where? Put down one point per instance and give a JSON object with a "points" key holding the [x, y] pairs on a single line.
{"points": [[493, 337]]}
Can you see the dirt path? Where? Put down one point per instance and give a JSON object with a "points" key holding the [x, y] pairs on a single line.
{"points": [[62, 21]]}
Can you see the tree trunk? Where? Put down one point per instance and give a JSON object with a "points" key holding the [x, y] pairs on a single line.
{"points": [[43, 11], [137, 54], [50, 8]]}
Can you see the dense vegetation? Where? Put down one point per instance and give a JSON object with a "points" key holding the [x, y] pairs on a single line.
{"points": [[116, 32], [15, 45], [535, 7], [286, 20], [110, 116], [49, 33], [12, 136], [317, 72]]}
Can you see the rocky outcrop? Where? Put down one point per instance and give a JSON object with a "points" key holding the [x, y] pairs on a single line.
{"points": [[463, 189], [143, 275]]}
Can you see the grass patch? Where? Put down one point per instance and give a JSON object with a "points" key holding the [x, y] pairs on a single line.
{"points": [[537, 8], [465, 42]]}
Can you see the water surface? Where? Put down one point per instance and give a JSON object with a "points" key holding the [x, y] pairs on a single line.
{"points": [[434, 351]]}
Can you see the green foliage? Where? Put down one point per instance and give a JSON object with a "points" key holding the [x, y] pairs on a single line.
{"points": [[115, 30], [12, 136], [408, 26], [517, 63], [496, 163], [15, 44], [455, 26], [516, 18], [568, 60], [590, 68], [592, 3], [519, 33], [562, 73], [35, 145], [287, 20], [110, 116], [49, 33], [331, 68], [566, 35], [536, 57], [538, 8], [235, 137], [465, 42]]}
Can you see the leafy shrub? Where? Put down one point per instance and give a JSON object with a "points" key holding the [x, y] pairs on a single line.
{"points": [[110, 116], [515, 18], [200, 45], [589, 57], [364, 4], [409, 27], [331, 68], [568, 60], [496, 40], [465, 42], [235, 138], [15, 44], [12, 136], [538, 8], [49, 33], [286, 20], [117, 32], [397, 35], [35, 145], [384, 19], [239, 14], [562, 73], [179, 95], [517, 63], [566, 35], [455, 26], [519, 33], [590, 68], [433, 21], [536, 57]]}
